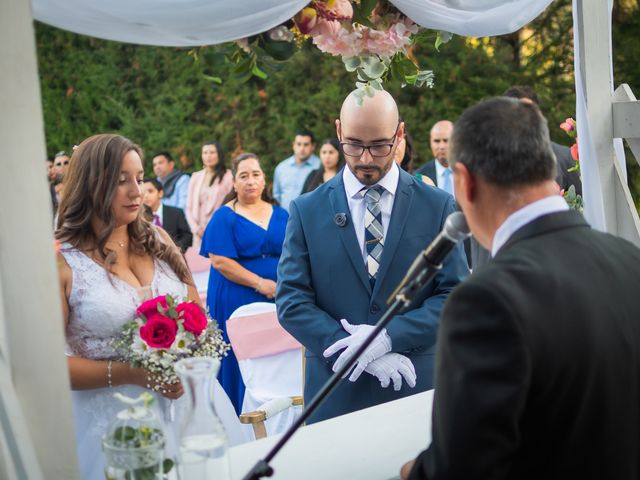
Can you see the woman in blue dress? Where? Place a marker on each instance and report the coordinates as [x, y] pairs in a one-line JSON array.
[[244, 242]]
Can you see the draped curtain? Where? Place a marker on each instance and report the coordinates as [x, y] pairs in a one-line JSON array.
[[205, 22]]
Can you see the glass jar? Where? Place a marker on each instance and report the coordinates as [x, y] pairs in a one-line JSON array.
[[134, 444], [202, 439]]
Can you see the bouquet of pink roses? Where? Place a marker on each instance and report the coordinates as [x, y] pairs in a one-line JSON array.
[[165, 331]]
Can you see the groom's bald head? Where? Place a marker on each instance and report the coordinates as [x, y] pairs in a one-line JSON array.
[[373, 123]]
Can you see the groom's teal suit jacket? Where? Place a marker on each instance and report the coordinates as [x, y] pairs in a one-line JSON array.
[[322, 278]]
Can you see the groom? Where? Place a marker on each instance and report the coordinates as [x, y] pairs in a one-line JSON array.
[[347, 246]]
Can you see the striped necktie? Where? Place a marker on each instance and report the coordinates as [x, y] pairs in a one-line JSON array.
[[373, 233]]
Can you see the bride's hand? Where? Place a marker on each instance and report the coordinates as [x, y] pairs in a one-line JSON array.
[[171, 391]]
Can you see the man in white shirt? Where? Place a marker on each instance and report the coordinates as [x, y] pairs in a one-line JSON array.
[[291, 173], [438, 169]]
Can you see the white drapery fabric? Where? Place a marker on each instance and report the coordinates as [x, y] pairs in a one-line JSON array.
[[182, 23], [592, 191]]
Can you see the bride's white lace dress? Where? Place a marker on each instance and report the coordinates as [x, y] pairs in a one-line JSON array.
[[99, 305]]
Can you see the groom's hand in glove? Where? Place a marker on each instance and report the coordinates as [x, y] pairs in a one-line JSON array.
[[393, 367], [358, 334]]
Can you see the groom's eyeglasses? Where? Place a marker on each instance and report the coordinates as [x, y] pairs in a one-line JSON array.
[[377, 150]]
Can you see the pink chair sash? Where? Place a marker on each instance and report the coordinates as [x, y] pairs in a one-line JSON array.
[[259, 335]]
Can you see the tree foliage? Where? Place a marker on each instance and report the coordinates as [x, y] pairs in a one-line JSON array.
[[170, 98]]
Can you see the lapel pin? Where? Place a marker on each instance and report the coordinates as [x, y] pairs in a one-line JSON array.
[[340, 219]]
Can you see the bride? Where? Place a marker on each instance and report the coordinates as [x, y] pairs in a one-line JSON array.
[[111, 260]]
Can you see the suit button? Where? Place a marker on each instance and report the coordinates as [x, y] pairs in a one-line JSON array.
[[374, 308]]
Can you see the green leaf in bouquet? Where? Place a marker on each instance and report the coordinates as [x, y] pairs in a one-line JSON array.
[[362, 12], [277, 49], [124, 434], [442, 37], [258, 73], [167, 465]]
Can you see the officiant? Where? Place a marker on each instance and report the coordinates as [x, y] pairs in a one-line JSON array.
[[538, 358]]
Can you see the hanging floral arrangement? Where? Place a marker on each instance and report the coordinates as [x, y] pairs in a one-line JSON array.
[[372, 37]]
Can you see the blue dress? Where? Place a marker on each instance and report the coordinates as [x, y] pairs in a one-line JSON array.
[[256, 249]]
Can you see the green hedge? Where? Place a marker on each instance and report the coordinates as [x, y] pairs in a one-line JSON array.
[[162, 99]]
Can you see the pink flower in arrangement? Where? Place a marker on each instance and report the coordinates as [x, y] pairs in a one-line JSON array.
[[332, 37], [159, 331], [569, 125], [574, 151], [340, 10], [195, 321], [150, 307]]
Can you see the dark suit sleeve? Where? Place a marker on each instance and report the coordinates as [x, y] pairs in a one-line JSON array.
[[482, 376], [295, 297], [184, 237], [418, 327]]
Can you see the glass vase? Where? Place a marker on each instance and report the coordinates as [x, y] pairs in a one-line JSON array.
[[202, 439]]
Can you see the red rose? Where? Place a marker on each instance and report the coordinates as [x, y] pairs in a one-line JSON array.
[[159, 331], [195, 321], [150, 307], [574, 151]]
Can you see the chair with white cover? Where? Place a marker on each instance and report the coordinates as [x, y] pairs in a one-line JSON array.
[[199, 267], [270, 361]]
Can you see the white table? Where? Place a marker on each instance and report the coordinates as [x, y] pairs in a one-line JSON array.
[[369, 444]]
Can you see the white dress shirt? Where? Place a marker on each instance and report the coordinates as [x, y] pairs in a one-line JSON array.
[[357, 206], [525, 215], [440, 177]]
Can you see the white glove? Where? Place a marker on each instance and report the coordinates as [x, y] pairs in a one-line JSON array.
[[395, 367], [358, 334]]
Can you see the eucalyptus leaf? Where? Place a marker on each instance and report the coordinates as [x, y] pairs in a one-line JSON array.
[[442, 37], [373, 67], [352, 63]]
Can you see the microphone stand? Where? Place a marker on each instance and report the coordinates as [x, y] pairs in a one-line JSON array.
[[401, 299]]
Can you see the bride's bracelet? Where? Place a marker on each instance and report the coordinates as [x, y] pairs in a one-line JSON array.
[[257, 289], [109, 378]]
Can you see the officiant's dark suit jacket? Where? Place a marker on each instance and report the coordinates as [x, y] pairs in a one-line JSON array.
[[538, 361], [322, 278], [175, 223]]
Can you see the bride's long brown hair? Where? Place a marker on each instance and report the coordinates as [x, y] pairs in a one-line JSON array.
[[88, 191]]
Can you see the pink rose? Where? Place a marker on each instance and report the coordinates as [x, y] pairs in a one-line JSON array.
[[569, 125], [195, 321], [150, 307], [159, 331]]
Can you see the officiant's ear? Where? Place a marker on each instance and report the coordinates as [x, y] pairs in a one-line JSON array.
[[338, 130], [464, 184]]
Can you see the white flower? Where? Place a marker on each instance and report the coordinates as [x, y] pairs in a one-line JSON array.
[[139, 346], [281, 34]]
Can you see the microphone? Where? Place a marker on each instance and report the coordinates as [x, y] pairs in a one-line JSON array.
[[429, 261]]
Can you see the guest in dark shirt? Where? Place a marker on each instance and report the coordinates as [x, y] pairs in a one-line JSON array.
[[332, 161], [171, 219]]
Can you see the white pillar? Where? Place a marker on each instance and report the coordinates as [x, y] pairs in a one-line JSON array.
[[32, 327]]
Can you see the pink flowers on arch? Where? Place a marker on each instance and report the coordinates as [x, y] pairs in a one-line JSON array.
[[569, 126], [334, 38]]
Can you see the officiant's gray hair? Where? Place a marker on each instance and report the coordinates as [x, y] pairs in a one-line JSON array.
[[505, 142]]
